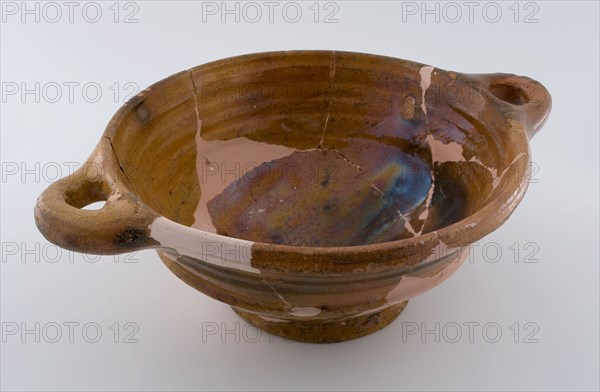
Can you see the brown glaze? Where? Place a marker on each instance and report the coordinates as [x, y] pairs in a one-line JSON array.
[[344, 183]]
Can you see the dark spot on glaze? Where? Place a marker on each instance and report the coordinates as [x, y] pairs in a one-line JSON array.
[[449, 201], [142, 112], [277, 238], [325, 181], [130, 236]]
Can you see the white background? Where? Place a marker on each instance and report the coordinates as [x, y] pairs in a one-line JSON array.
[[557, 295]]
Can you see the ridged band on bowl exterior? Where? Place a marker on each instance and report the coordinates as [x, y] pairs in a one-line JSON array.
[[253, 275]]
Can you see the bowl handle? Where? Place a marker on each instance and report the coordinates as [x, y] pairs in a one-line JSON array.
[[120, 226], [524, 98]]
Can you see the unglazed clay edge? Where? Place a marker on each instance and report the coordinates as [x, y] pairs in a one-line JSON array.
[[178, 239]]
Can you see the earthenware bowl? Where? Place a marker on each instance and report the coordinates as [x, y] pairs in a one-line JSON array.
[[313, 191]]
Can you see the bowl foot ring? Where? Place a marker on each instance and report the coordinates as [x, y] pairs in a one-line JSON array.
[[324, 331]]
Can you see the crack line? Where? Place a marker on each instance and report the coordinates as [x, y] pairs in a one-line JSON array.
[[286, 304], [198, 121], [324, 127], [425, 74], [117, 159], [332, 67]]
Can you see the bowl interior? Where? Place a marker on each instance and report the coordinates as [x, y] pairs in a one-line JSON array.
[[313, 148]]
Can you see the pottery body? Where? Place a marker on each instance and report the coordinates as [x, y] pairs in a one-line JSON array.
[[315, 192]]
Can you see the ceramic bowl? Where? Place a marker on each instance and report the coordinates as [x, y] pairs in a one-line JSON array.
[[315, 192]]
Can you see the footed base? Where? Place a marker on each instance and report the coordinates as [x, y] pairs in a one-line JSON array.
[[325, 331]]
